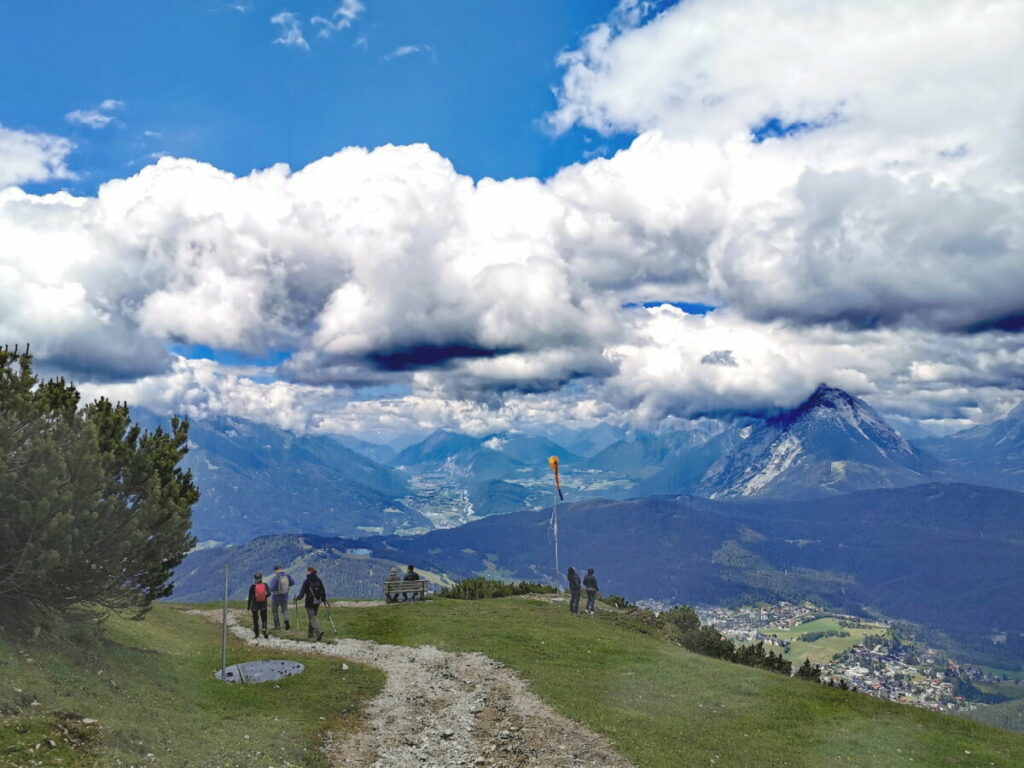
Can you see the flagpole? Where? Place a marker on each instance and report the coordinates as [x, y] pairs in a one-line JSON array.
[[553, 463], [554, 527]]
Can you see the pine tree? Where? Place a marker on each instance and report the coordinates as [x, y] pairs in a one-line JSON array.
[[809, 671], [94, 512]]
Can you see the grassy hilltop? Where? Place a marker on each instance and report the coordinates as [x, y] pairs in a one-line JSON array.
[[149, 686], [659, 704]]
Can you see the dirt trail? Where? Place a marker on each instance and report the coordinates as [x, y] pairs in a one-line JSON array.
[[441, 709]]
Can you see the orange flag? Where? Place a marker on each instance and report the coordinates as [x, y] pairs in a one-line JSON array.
[[553, 463]]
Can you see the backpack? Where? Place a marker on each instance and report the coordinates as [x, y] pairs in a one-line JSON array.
[[284, 583], [260, 593], [316, 589]]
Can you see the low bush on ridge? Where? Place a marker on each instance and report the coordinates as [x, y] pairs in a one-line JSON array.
[[479, 588], [617, 601]]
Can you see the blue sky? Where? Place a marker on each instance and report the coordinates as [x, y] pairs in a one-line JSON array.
[[201, 79], [561, 193]]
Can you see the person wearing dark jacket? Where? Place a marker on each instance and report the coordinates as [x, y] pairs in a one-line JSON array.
[[410, 575], [574, 590], [314, 593], [259, 593], [590, 584]]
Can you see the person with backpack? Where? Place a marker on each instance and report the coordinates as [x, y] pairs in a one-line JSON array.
[[590, 584], [259, 594], [574, 590], [315, 595], [280, 585]]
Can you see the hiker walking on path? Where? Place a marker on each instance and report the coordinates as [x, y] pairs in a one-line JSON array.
[[590, 584], [315, 594], [574, 590], [392, 597], [258, 595], [410, 575], [280, 585]]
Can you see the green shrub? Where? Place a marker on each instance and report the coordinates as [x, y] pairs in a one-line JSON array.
[[479, 588], [683, 625], [809, 671], [617, 601], [810, 637]]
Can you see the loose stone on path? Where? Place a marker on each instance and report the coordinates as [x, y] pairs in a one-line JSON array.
[[451, 709]]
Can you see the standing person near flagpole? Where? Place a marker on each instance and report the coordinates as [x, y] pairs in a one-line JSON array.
[[574, 590], [315, 594], [280, 585], [590, 584]]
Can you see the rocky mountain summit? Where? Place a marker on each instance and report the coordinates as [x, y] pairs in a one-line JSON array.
[[831, 443]]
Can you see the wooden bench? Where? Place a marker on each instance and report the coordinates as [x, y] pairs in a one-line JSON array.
[[405, 587]]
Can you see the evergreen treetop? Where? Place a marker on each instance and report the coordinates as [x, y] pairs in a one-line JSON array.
[[94, 512]]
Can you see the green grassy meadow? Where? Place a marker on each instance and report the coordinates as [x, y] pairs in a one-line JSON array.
[[157, 703], [665, 707], [821, 650], [149, 685]]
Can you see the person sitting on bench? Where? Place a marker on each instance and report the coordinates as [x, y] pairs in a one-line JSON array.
[[410, 575], [391, 597]]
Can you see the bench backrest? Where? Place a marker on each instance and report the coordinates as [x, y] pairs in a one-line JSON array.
[[391, 587]]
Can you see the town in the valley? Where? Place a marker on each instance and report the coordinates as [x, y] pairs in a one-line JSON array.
[[864, 655]]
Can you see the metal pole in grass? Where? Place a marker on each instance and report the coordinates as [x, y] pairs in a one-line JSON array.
[[554, 528], [224, 629], [553, 463]]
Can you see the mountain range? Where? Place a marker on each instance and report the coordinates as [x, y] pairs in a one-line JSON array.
[[822, 502], [492, 457], [945, 555], [256, 479], [991, 453], [259, 480]]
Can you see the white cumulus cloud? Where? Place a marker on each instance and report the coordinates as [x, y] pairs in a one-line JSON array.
[[869, 235], [32, 157]]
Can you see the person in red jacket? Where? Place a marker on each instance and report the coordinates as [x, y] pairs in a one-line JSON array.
[[259, 595]]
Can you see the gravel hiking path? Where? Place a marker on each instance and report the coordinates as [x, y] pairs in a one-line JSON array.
[[441, 709]]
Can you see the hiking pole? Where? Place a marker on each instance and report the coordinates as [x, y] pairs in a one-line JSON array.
[[297, 615], [327, 610]]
